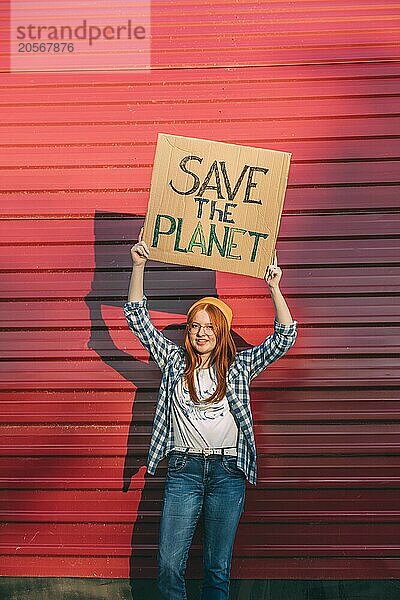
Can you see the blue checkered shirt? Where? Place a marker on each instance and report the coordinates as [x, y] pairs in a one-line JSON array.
[[171, 360]]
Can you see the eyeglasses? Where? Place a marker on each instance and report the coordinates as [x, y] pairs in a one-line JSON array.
[[195, 327]]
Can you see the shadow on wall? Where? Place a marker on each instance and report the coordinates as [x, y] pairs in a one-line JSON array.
[[114, 234]]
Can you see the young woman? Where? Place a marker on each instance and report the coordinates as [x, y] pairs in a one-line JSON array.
[[203, 424]]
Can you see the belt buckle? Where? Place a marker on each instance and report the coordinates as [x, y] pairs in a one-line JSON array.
[[207, 451]]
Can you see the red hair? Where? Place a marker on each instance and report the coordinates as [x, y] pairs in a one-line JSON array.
[[222, 355]]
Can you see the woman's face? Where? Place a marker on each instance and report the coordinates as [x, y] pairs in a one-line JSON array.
[[203, 340]]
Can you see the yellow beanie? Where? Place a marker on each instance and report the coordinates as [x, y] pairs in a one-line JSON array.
[[224, 308]]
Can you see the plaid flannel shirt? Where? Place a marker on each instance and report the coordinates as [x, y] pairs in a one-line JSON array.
[[171, 360]]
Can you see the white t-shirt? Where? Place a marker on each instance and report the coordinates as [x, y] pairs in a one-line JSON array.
[[205, 425]]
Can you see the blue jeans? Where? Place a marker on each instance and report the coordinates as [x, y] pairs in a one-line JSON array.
[[194, 483]]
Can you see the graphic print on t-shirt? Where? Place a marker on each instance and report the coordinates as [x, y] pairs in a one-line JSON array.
[[205, 384], [203, 425]]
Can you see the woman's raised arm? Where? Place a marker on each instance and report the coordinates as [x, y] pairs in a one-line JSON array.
[[159, 347], [140, 254], [273, 277]]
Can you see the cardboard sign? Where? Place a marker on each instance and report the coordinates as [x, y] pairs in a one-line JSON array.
[[215, 205]]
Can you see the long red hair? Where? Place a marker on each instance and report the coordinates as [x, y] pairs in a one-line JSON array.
[[222, 355]]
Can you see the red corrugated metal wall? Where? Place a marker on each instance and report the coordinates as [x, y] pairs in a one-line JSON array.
[[315, 78]]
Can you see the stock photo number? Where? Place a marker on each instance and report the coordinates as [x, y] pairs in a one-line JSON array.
[[46, 47]]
